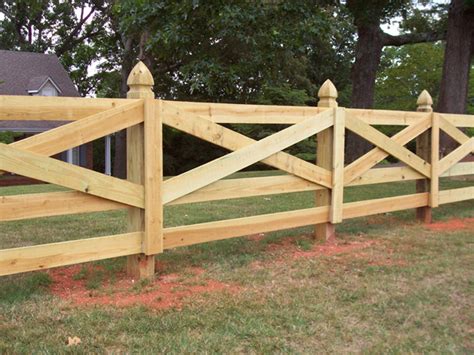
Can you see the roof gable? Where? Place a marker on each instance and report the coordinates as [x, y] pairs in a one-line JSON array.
[[37, 83], [21, 72]]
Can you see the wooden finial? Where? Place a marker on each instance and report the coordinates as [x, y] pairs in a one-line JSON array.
[[140, 82], [327, 95], [424, 102]]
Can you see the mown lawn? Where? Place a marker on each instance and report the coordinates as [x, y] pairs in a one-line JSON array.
[[389, 285]]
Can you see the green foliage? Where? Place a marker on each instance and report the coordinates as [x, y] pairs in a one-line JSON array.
[[231, 51], [76, 31], [405, 72], [408, 70], [8, 137]]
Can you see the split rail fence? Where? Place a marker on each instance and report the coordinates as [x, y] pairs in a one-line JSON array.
[[145, 192]]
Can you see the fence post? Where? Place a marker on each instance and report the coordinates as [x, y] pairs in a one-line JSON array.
[[324, 157], [140, 82], [423, 149]]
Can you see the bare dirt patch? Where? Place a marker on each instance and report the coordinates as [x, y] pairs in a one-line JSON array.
[[454, 224], [167, 291], [330, 248]]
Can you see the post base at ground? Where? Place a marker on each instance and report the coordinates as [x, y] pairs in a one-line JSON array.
[[423, 214], [325, 231], [141, 266]]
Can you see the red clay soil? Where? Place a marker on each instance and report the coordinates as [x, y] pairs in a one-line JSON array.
[[328, 249], [168, 291], [452, 225]]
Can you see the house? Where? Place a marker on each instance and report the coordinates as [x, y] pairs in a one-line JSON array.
[[38, 74]]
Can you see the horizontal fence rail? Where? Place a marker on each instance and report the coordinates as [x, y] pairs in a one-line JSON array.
[[144, 194]]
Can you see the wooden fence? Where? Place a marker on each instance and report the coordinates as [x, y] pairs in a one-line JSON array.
[[145, 193]]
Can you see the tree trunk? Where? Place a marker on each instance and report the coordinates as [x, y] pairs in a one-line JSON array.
[[457, 63], [364, 71]]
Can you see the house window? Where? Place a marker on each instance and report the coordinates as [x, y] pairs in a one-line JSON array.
[[73, 156], [48, 90]]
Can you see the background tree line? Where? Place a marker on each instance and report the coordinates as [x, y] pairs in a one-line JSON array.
[[266, 52]]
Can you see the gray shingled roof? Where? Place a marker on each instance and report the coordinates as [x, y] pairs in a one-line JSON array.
[[21, 71]]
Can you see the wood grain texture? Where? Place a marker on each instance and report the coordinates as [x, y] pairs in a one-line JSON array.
[[40, 257], [434, 181], [50, 108], [56, 172], [376, 155], [84, 130], [450, 129], [206, 174], [387, 117], [388, 145], [456, 195], [153, 179], [49, 204], [337, 193], [244, 113], [210, 231], [456, 155], [201, 127]]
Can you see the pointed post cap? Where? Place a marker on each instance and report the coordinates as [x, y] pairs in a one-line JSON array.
[[327, 95], [140, 82], [424, 102]]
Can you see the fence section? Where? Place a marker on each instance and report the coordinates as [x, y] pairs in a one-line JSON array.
[[145, 193]]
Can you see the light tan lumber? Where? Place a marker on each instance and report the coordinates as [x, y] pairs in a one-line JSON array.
[[327, 95], [434, 182], [337, 193], [248, 114], [456, 155], [454, 132], [388, 145], [140, 82], [423, 150], [52, 204], [272, 114], [456, 195], [384, 205], [248, 187], [83, 131], [210, 231], [40, 257], [153, 242], [387, 117], [53, 108], [458, 120], [463, 168], [48, 204], [206, 232], [376, 155], [56, 172], [200, 127], [386, 174], [206, 174]]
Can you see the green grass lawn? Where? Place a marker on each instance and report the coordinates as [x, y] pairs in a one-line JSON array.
[[393, 285]]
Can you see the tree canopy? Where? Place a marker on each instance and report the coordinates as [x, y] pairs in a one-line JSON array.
[[267, 52]]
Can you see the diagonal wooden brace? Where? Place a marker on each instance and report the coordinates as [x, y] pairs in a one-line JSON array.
[[360, 166], [206, 174], [388, 145], [56, 172], [203, 128], [456, 155]]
